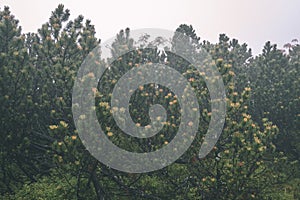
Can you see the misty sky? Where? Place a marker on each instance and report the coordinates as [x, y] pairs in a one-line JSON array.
[[251, 21]]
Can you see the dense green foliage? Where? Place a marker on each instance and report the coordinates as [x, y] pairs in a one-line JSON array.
[[42, 156]]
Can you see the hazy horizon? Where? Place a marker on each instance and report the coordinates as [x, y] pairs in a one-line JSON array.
[[253, 22]]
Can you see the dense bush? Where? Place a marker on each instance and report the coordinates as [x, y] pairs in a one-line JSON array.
[[42, 156]]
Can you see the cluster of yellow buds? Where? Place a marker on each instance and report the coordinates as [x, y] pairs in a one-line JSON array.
[[257, 140], [246, 117], [235, 105], [104, 104], [248, 89]]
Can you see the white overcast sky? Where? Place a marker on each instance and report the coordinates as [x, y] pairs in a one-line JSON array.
[[250, 21]]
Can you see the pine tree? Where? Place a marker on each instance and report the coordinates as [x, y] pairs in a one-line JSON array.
[[17, 107]]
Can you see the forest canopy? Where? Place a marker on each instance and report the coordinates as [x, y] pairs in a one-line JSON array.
[[43, 157]]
